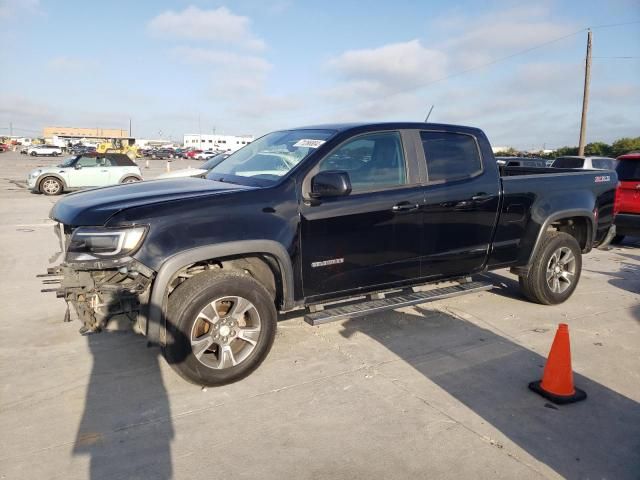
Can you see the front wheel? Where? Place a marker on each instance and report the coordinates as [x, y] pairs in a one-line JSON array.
[[555, 270], [33, 154], [220, 327], [51, 186], [130, 180]]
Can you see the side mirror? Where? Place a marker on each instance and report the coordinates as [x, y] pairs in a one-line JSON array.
[[332, 183], [77, 166]]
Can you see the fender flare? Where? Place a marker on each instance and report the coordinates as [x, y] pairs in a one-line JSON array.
[[156, 315], [591, 232], [126, 175], [51, 174]]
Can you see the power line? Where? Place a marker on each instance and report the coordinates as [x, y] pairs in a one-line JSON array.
[[615, 24], [616, 57]]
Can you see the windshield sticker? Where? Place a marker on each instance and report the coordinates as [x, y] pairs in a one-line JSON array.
[[308, 142]]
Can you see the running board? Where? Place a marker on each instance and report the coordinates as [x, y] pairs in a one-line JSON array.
[[403, 300]]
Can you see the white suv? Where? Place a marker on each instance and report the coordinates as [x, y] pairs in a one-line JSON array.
[[37, 150], [589, 163]]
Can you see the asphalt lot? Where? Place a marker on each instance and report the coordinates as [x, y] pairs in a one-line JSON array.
[[435, 391]]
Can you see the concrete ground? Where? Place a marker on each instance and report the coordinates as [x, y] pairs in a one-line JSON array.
[[435, 391]]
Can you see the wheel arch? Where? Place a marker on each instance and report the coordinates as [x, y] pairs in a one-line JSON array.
[[55, 175], [220, 253], [127, 175], [579, 223]]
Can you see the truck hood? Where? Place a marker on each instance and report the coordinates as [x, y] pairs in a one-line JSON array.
[[185, 172], [95, 207]]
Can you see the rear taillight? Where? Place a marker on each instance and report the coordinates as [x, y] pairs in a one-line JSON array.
[[616, 201]]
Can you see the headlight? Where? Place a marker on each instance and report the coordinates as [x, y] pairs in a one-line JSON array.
[[92, 243], [35, 173]]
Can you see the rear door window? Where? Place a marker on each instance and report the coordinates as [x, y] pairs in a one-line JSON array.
[[603, 163], [568, 162], [450, 156], [628, 170]]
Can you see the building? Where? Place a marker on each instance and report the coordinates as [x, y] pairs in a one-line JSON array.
[[76, 132], [65, 136], [229, 143]]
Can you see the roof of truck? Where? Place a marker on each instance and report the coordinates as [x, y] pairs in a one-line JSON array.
[[341, 127]]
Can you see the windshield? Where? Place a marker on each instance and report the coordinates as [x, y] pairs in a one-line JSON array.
[[628, 170], [568, 162], [213, 161], [270, 157], [68, 162]]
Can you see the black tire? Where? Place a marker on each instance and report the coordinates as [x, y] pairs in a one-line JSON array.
[[48, 186], [618, 239], [193, 297], [55, 154], [130, 180], [535, 285], [33, 154]]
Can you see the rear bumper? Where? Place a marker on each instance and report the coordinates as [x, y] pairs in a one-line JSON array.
[[628, 224]]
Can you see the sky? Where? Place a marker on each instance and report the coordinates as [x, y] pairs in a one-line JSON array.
[[514, 69]]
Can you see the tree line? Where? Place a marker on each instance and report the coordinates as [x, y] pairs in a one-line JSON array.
[[596, 149]]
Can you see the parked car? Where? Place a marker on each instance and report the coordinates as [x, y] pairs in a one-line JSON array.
[[81, 149], [312, 216], [84, 171], [162, 153], [200, 171], [589, 163], [206, 154], [521, 162], [193, 153], [4, 147], [627, 205], [46, 150]]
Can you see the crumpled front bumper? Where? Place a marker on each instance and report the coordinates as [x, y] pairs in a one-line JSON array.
[[103, 298]]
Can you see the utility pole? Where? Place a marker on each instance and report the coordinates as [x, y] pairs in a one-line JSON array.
[[129, 127], [585, 96]]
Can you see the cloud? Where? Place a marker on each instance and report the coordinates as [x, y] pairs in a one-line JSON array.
[[498, 33], [63, 63], [393, 66], [250, 64], [219, 25], [14, 8]]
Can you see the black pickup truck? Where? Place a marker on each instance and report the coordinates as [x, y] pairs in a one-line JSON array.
[[305, 217]]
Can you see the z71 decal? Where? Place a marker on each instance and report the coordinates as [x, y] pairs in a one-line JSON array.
[[602, 178]]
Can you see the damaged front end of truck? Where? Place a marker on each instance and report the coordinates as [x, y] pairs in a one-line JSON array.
[[99, 280]]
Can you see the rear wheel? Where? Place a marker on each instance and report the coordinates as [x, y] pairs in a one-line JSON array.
[[33, 154], [130, 180], [51, 186], [220, 327], [555, 270]]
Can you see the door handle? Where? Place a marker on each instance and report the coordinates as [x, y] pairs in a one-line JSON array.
[[480, 197], [405, 207], [104, 171]]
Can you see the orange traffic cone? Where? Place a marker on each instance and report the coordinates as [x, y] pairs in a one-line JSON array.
[[557, 380]]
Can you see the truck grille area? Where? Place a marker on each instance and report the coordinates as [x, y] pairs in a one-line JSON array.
[[104, 298]]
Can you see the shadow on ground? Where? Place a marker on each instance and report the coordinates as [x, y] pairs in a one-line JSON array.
[[126, 426], [489, 374]]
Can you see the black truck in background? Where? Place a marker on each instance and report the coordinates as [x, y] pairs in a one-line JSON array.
[[304, 217]]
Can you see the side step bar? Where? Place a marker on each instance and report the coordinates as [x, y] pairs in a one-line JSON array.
[[402, 300]]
